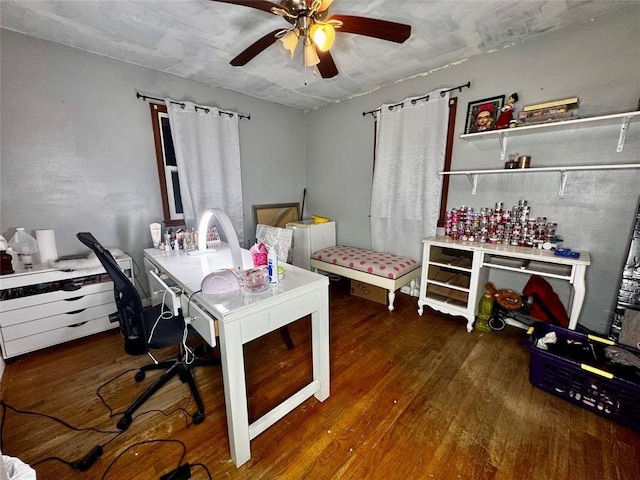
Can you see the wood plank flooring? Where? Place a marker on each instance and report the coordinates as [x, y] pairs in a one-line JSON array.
[[411, 398]]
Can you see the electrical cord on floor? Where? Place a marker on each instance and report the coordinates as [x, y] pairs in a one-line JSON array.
[[82, 464], [173, 475], [182, 472], [87, 461], [204, 467]]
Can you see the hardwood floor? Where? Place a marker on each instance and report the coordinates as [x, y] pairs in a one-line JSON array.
[[411, 398]]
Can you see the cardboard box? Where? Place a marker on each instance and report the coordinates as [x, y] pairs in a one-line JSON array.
[[370, 292]]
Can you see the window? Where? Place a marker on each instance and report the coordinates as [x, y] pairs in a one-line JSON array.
[[167, 167]]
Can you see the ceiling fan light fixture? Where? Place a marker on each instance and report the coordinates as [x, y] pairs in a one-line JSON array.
[[310, 55], [321, 5], [288, 42], [323, 35]]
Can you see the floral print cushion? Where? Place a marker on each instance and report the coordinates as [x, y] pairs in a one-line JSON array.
[[375, 263]]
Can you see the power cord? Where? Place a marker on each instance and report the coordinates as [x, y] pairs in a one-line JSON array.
[[85, 462], [181, 472]]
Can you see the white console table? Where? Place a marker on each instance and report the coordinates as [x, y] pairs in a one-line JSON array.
[[454, 273], [42, 306]]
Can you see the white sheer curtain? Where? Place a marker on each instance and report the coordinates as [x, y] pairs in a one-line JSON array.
[[410, 151], [207, 146]]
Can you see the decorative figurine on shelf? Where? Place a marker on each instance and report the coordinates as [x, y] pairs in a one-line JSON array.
[[506, 112]]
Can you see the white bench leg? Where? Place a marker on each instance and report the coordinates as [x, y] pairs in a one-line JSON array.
[[392, 297]]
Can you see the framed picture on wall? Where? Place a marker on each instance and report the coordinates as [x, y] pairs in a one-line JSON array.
[[482, 114]]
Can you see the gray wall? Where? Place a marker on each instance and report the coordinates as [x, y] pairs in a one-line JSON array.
[[77, 145], [598, 61]]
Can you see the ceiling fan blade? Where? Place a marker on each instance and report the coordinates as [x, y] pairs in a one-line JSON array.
[[263, 5], [371, 27], [254, 49], [327, 66]]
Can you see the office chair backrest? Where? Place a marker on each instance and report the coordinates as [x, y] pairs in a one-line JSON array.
[[128, 302], [279, 238]]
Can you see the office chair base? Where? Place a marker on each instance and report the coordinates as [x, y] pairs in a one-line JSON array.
[[124, 422], [198, 418], [176, 367]]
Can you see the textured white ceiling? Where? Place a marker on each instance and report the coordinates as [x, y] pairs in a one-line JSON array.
[[196, 39]]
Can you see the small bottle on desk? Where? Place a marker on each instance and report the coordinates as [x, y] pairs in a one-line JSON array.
[[272, 263]]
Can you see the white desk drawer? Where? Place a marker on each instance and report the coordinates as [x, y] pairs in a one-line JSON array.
[[202, 323], [261, 323]]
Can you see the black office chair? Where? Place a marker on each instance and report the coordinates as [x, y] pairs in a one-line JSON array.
[[145, 329]]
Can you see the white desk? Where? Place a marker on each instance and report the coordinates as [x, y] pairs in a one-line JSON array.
[[241, 317]]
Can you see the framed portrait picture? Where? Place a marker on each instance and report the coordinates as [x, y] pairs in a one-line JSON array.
[[482, 114]]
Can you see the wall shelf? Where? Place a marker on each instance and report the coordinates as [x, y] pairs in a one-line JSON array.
[[623, 119], [564, 172]]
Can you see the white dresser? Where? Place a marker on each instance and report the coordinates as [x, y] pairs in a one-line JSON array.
[[40, 306]]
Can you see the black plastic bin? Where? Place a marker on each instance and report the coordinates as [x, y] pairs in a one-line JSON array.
[[576, 369]]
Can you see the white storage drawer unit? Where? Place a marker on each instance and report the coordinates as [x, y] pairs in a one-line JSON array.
[[309, 238], [40, 307]]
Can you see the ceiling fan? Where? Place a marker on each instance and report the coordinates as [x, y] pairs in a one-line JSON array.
[[310, 20]]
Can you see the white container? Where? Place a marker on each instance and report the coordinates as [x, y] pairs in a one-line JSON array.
[[46, 240], [25, 246]]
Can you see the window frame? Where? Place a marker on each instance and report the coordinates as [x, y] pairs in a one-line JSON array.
[[172, 218]]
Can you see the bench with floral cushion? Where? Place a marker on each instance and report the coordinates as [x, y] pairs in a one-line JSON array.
[[384, 270]]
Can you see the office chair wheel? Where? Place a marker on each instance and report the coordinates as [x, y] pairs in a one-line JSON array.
[[496, 323], [198, 418], [139, 376], [124, 422]]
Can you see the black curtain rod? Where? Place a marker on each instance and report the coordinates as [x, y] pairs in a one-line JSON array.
[[205, 109], [415, 100]]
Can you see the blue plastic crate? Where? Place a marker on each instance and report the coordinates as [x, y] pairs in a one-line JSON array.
[[573, 370]]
